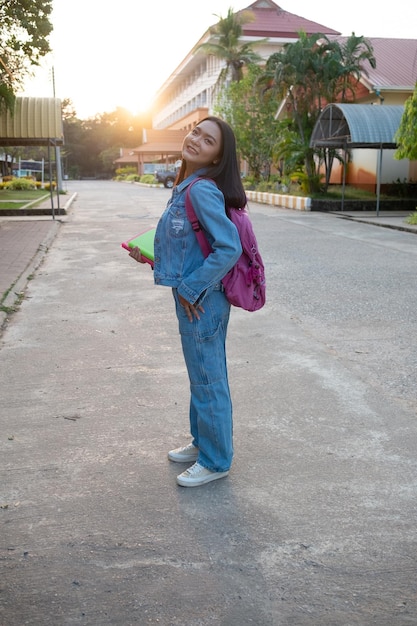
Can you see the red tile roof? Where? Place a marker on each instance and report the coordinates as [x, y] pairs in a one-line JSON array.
[[161, 141], [153, 135], [272, 21], [158, 148], [396, 63]]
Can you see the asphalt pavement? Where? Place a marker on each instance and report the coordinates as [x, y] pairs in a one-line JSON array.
[[25, 240], [315, 525]]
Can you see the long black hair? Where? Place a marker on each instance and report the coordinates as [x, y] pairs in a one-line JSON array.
[[226, 173]]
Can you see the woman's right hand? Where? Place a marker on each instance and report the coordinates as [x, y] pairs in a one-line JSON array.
[[135, 253]]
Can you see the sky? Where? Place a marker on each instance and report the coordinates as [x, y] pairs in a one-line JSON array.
[[114, 54]]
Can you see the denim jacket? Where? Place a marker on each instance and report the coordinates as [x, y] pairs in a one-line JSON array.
[[179, 261]]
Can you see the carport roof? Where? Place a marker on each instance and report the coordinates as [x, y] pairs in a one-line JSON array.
[[357, 126], [34, 122]]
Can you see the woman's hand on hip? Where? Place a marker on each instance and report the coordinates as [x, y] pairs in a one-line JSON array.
[[190, 310]]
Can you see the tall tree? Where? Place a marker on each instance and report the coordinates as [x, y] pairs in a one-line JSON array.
[[407, 132], [350, 58], [229, 48], [252, 118], [75, 146], [92, 145], [295, 76], [24, 31], [309, 73]]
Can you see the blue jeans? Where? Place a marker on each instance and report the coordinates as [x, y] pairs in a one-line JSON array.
[[204, 347]]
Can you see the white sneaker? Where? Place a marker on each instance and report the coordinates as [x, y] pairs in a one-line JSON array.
[[186, 454], [197, 475]]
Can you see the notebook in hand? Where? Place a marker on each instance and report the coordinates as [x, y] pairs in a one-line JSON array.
[[144, 241]]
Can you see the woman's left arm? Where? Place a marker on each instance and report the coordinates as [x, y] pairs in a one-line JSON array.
[[208, 203]]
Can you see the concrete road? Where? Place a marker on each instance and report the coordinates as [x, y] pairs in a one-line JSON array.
[[316, 524]]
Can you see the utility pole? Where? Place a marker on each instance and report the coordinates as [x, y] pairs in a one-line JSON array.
[[57, 149]]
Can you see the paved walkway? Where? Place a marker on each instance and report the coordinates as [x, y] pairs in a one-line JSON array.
[[386, 219], [20, 241], [315, 526], [25, 240], [23, 244]]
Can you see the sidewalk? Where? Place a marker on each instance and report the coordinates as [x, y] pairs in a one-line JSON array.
[[386, 219], [23, 243]]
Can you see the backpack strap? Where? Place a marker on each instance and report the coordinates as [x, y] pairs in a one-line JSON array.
[[192, 217]]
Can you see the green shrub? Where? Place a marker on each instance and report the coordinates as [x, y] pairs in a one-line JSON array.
[[148, 179], [20, 184], [263, 186], [401, 189], [123, 172], [132, 178], [249, 183], [412, 218]]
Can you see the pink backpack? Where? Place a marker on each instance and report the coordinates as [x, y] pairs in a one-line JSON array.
[[244, 284]]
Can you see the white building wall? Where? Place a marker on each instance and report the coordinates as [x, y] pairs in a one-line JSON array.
[[192, 92], [192, 85], [391, 170]]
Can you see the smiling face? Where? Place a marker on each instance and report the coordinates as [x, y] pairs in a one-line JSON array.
[[202, 146]]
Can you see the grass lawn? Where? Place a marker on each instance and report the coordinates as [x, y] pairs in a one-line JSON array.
[[18, 199]]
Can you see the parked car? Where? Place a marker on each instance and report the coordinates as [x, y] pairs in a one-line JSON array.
[[167, 177]]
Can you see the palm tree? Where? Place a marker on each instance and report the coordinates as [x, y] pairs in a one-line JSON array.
[[354, 52], [236, 55], [310, 73]]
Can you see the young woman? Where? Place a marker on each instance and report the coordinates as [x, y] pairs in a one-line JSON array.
[[209, 151]]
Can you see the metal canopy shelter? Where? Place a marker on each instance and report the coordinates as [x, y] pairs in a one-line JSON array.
[[34, 122], [348, 126]]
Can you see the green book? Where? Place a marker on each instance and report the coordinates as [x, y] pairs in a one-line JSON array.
[[145, 242]]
